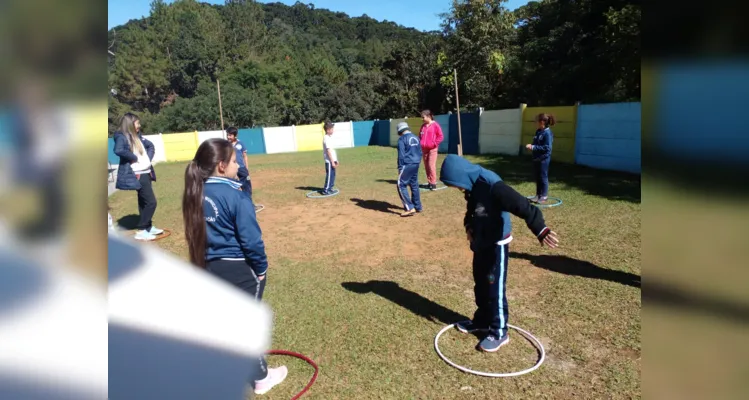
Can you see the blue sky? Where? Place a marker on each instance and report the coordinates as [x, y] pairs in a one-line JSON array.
[[419, 14]]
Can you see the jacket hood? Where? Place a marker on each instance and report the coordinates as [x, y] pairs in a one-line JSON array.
[[459, 172]]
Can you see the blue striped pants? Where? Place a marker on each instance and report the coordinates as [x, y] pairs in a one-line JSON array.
[[490, 278]]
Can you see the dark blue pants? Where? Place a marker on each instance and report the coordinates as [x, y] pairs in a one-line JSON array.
[[329, 176], [490, 278], [241, 275], [146, 202], [247, 187], [244, 178], [408, 176], [541, 172]]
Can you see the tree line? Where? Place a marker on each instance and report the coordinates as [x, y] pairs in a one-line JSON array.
[[283, 65]]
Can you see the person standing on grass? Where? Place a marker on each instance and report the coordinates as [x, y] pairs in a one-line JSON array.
[[244, 173], [222, 232], [490, 202], [409, 159], [431, 137], [541, 149], [136, 172], [331, 159]]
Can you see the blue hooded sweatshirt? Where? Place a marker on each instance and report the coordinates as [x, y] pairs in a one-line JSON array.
[[232, 231], [489, 203], [542, 144], [409, 149]]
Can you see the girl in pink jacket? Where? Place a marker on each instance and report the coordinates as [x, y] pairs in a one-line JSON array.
[[431, 137]]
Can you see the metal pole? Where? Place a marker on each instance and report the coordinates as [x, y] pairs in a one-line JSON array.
[[457, 102], [220, 109]]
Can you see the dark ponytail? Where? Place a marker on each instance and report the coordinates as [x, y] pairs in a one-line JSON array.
[[547, 119], [210, 153]]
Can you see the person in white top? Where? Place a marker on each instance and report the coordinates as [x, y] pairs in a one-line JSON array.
[[136, 172], [331, 159]]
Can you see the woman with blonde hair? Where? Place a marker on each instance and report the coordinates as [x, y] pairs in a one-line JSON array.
[[136, 172]]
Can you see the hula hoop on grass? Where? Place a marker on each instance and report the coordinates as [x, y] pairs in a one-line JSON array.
[[259, 207], [167, 233], [316, 194], [557, 202], [531, 338], [303, 357]]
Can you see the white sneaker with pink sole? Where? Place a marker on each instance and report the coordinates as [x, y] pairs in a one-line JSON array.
[[275, 376]]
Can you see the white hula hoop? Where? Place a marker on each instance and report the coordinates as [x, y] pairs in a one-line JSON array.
[[260, 207], [431, 190], [316, 194], [525, 333]]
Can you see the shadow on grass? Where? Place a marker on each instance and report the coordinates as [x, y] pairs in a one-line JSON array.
[[612, 185], [390, 181], [407, 299], [129, 222], [308, 188], [666, 295], [377, 205], [571, 266]]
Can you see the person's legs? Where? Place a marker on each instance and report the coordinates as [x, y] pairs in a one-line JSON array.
[[332, 177], [402, 185], [247, 187], [148, 199], [328, 168], [537, 178], [432, 168], [483, 261], [497, 280], [497, 302], [544, 179], [425, 155], [414, 183], [241, 275]]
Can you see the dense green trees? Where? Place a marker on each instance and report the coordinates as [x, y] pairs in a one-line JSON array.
[[282, 65]]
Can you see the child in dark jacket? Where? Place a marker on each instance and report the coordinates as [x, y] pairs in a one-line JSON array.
[[222, 232], [541, 149], [488, 227], [409, 159]]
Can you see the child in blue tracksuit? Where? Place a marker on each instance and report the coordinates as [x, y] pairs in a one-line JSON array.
[[541, 149], [243, 174], [409, 159], [222, 232], [488, 227]]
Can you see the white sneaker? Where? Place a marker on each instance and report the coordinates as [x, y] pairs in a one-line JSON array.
[[144, 236], [155, 231], [275, 376]]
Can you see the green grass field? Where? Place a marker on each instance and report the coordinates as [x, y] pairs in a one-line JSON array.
[[363, 291]]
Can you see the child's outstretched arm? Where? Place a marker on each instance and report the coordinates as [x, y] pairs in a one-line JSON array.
[[516, 204], [250, 237]]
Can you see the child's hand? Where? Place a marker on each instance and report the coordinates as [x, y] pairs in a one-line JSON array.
[[335, 164], [550, 240], [529, 146]]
